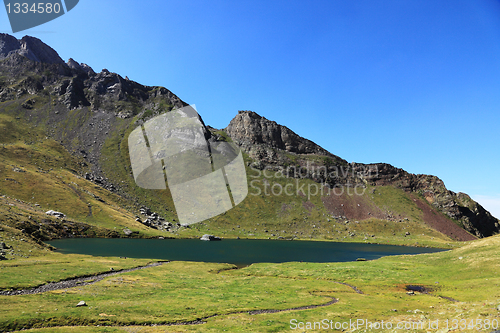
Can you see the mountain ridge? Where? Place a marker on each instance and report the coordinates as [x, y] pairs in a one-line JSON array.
[[90, 114]]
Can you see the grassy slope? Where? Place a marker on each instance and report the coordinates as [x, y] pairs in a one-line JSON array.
[[265, 215], [38, 174]]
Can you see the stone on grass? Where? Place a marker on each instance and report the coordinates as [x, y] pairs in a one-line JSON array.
[[54, 213], [81, 303]]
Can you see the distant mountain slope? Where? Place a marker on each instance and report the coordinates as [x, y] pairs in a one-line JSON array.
[[270, 145], [87, 116]]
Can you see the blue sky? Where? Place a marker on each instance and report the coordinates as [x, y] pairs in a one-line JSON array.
[[412, 83]]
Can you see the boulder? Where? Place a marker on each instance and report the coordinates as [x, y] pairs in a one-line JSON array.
[[207, 237], [127, 232], [54, 213], [81, 303]]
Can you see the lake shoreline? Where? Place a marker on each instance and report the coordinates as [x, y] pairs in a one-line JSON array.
[[238, 252], [445, 246]]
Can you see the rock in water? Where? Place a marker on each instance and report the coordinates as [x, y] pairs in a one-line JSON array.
[[81, 303], [207, 237]]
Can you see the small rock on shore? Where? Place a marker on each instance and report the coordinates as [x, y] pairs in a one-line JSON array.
[[207, 237]]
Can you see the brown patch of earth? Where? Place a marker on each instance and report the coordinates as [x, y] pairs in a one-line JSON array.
[[347, 203], [440, 223]]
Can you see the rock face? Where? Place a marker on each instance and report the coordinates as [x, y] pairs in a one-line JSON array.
[[8, 45], [30, 47], [457, 206], [73, 64], [268, 143], [248, 128]]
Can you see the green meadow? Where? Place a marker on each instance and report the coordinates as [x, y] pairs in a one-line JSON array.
[[460, 284]]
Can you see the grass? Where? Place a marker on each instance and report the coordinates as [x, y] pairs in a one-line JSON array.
[[53, 267], [185, 291]]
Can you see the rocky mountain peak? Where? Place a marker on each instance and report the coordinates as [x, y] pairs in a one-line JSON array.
[[249, 128], [73, 64], [76, 65], [8, 45], [30, 47]]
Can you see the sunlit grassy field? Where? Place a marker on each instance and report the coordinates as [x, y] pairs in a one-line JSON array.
[[462, 284]]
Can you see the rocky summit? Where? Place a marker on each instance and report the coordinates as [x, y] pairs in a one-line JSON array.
[[29, 47], [64, 130], [248, 128]]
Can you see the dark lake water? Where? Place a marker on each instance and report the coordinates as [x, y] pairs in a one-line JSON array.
[[235, 251]]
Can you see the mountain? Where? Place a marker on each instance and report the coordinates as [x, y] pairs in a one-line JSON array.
[[30, 47], [270, 145], [63, 137]]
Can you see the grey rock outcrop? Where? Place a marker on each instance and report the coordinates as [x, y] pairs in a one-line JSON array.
[[207, 237], [73, 64], [30, 47], [87, 68], [56, 214], [36, 50], [8, 45], [79, 67], [249, 128]]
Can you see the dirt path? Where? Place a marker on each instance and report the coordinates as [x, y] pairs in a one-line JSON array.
[[86, 280], [351, 286], [75, 282], [252, 312]]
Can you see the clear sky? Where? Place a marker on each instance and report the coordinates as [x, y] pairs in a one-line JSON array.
[[412, 83]]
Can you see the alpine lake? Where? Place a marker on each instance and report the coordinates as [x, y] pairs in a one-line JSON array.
[[240, 252]]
